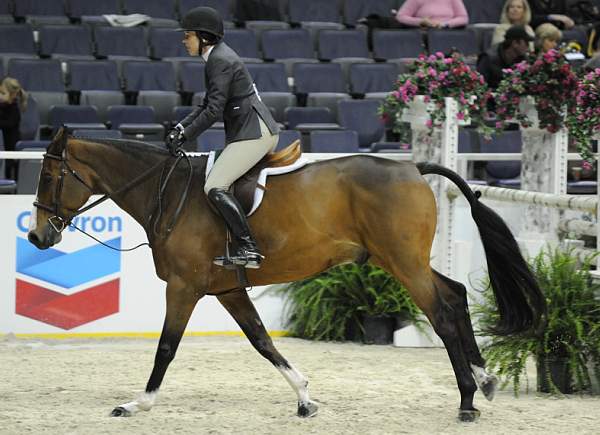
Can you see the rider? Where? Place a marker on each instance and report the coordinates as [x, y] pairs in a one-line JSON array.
[[250, 130]]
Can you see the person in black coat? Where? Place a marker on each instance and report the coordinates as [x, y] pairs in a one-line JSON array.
[[13, 100], [250, 130]]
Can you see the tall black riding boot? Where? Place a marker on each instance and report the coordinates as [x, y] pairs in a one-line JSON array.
[[247, 254]]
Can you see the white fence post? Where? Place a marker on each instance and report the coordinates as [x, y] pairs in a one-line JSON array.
[[440, 147], [543, 169]]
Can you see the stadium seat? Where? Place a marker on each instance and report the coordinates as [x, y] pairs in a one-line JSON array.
[[120, 41], [243, 42], [29, 170], [503, 173], [180, 112], [372, 78], [269, 77], [484, 12], [322, 82], [444, 41], [305, 119], [25, 8], [259, 26], [313, 10], [285, 44], [361, 116], [16, 41], [211, 139], [166, 42], [338, 141], [335, 44], [136, 122], [164, 10], [277, 102], [353, 10], [97, 134], [7, 187], [75, 117], [30, 121], [66, 41], [219, 5], [287, 137], [315, 27], [37, 74], [81, 8], [397, 44]]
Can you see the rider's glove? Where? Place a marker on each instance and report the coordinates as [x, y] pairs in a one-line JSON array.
[[175, 139]]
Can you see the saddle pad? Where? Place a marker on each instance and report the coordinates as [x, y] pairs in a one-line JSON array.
[[262, 178]]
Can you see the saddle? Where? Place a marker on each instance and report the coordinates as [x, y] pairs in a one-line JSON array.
[[244, 187]]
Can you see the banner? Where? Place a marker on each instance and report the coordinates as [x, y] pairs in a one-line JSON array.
[[82, 287]]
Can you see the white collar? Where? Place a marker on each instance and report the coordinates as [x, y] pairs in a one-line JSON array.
[[205, 55]]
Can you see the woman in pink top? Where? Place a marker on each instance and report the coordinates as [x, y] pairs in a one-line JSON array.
[[433, 13]]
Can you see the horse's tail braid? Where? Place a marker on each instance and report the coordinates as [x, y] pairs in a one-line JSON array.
[[521, 304]]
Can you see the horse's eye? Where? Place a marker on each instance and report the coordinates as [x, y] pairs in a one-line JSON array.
[[47, 177]]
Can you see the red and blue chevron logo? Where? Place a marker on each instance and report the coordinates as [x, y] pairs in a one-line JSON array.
[[67, 290]]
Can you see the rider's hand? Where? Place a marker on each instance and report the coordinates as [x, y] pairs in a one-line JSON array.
[[175, 139]]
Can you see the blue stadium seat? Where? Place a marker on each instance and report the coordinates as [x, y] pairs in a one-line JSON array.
[[166, 42], [484, 12], [396, 44], [60, 40], [32, 144], [153, 8], [503, 173], [337, 141], [220, 5], [356, 9], [25, 8], [80, 8], [6, 7], [97, 134], [180, 112], [335, 44], [146, 76], [314, 10], [120, 41], [361, 116], [308, 115], [318, 77], [29, 170], [7, 187], [99, 75], [287, 44], [211, 139], [118, 115], [30, 120], [17, 38], [191, 76], [75, 117], [269, 77], [465, 41], [37, 75], [243, 42], [287, 137], [367, 78]]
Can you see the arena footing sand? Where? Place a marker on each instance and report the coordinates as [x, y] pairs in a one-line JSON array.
[[222, 385]]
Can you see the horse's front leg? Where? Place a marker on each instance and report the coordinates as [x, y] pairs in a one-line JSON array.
[[180, 305], [241, 308]]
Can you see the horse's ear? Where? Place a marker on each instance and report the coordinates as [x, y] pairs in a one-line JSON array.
[[60, 138]]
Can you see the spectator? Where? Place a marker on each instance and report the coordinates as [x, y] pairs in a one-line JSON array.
[[433, 13], [511, 51], [547, 37], [514, 13], [551, 11], [13, 101]]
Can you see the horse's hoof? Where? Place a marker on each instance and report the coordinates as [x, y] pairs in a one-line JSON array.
[[468, 415], [119, 411], [308, 409], [488, 388]]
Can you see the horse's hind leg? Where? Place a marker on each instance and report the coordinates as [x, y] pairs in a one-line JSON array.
[[180, 305], [239, 305], [486, 382]]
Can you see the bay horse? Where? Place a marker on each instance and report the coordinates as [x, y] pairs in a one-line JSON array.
[[341, 210]]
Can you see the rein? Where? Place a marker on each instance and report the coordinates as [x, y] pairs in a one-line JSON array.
[[59, 222]]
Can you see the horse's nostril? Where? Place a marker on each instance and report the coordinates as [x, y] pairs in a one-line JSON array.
[[33, 238]]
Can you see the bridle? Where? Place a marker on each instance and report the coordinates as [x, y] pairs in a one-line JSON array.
[[59, 221]]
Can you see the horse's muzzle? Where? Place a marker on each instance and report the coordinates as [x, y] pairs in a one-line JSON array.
[[49, 238]]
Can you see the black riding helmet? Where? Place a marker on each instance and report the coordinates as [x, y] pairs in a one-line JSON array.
[[204, 21]]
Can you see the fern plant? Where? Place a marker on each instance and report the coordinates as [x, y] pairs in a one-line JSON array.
[[327, 306], [572, 325]]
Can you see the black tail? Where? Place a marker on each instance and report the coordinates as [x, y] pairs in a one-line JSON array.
[[521, 304]]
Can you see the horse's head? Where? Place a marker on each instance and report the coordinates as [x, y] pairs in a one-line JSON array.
[[61, 192]]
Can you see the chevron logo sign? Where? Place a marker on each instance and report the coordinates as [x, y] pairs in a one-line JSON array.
[[67, 290]]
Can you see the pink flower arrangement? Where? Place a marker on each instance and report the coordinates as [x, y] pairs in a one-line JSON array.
[[583, 120], [549, 80], [437, 77]]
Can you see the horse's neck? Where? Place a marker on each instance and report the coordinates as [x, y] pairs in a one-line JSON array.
[[115, 167]]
